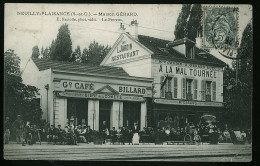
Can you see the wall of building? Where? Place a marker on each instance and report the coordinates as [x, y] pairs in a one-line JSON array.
[[139, 68], [32, 76], [163, 68]]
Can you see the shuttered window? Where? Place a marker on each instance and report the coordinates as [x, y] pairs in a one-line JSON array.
[[175, 91], [195, 88], [203, 90], [163, 89], [214, 87], [184, 88]]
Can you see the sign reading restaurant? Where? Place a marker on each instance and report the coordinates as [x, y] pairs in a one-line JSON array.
[[124, 51]]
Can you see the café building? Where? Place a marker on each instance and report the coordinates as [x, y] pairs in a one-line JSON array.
[[81, 94], [187, 80]]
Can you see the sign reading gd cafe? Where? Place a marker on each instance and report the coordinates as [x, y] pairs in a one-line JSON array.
[[92, 87]]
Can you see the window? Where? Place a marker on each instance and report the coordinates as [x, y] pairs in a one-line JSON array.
[[189, 89], [189, 51], [203, 89], [195, 88], [214, 88], [163, 89], [183, 88], [170, 88]]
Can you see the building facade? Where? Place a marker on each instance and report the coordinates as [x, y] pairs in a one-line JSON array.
[[187, 80], [81, 94]]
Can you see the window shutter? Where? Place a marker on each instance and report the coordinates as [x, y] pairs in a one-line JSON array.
[[183, 88], [163, 89], [203, 89], [214, 88], [169, 85], [195, 88], [175, 87]]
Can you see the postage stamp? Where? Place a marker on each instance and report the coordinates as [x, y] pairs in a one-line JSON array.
[[220, 29]]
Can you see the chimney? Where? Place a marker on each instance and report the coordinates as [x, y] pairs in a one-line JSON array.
[[122, 28], [134, 29], [198, 40]]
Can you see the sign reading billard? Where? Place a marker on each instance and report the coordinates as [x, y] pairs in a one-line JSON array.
[[100, 96], [186, 102]]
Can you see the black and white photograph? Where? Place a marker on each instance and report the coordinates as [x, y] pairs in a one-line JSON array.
[[128, 82]]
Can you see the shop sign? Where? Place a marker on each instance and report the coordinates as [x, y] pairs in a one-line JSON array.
[[124, 51], [187, 102], [105, 96], [77, 85], [186, 71]]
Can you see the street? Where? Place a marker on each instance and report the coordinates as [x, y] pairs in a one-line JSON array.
[[224, 152]]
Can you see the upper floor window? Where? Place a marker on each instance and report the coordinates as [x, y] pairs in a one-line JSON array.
[[208, 90], [170, 88], [189, 88], [190, 51]]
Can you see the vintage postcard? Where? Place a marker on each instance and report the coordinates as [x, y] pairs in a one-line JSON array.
[[142, 82]]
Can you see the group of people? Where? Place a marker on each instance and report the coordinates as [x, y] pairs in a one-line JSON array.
[[28, 134]]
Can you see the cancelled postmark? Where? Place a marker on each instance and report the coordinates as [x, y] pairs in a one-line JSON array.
[[220, 29]]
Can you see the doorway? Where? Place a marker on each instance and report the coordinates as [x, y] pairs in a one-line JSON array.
[[104, 112], [131, 113], [77, 111]]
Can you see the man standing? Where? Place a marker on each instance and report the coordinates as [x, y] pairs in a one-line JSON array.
[[7, 127], [105, 131], [136, 134], [19, 126]]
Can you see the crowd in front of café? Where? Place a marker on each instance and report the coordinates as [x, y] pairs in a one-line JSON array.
[[145, 90]]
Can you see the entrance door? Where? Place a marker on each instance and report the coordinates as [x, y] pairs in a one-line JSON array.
[[77, 111], [104, 112], [131, 113]]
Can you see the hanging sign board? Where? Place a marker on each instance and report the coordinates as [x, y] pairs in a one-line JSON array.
[[101, 96], [186, 102]]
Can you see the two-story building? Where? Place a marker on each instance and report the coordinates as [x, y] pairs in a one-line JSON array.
[[187, 80]]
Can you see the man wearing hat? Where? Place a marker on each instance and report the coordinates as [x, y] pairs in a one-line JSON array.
[[19, 127], [60, 133], [7, 127]]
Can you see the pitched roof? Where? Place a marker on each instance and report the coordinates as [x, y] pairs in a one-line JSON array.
[[43, 64], [161, 51]]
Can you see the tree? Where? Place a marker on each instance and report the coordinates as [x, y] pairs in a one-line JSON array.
[[35, 52], [45, 53], [18, 97], [95, 53], [76, 55], [189, 19], [61, 48], [238, 94]]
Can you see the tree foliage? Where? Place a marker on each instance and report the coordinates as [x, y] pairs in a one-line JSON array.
[[193, 24], [35, 52], [238, 94], [18, 97], [95, 53], [61, 48]]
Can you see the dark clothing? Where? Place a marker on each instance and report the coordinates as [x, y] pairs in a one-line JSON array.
[[7, 125], [135, 129], [113, 135]]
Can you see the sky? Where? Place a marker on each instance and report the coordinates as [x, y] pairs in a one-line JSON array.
[[23, 31]]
